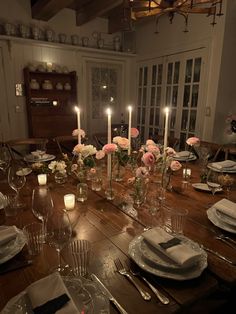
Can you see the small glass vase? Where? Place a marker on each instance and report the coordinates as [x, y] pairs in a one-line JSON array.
[[118, 172], [140, 191], [109, 192], [60, 177]]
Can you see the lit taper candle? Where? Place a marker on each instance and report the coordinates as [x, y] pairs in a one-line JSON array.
[[129, 131], [166, 128], [109, 141], [78, 123]]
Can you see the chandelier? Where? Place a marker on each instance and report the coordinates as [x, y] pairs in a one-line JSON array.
[[158, 8]]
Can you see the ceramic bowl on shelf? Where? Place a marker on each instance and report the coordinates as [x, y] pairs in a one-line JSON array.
[[34, 84], [59, 86], [41, 68], [47, 85], [67, 86]]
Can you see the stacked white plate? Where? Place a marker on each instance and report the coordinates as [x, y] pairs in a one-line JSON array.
[[184, 156], [223, 215], [228, 166], [34, 158], [155, 261]]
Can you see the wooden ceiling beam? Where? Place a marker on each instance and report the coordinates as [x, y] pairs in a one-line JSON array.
[[46, 9], [94, 9], [120, 20]]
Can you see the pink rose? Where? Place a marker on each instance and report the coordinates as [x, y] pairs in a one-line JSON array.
[[74, 167], [109, 148], [170, 151], [175, 165], [150, 142], [78, 148], [116, 139], [193, 141], [131, 180], [123, 142], [148, 159], [141, 172], [153, 149], [134, 132], [76, 133], [100, 154], [93, 170]]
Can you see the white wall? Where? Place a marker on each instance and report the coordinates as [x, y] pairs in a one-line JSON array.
[[171, 39]]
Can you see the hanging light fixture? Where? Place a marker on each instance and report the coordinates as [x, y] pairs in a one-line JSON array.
[[158, 8]]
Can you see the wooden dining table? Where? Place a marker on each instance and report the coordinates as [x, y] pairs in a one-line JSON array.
[[110, 228]]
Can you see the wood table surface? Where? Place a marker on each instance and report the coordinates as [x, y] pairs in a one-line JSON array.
[[110, 229]]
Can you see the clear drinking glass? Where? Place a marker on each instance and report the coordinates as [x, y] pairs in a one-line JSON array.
[[42, 204], [213, 182], [58, 231], [16, 180], [5, 158]]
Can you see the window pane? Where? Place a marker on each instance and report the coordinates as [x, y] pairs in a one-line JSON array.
[[192, 121], [157, 117], [169, 73], [160, 69], [174, 96], [139, 114], [154, 74], [139, 96], [95, 75], [186, 95], [188, 73], [143, 116], [144, 96], [142, 133], [172, 119], [151, 117], [152, 101], [194, 96], [140, 76], [176, 72], [158, 96], [184, 122], [145, 76], [182, 141], [197, 70], [168, 93]]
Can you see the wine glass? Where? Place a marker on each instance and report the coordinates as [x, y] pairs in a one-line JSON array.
[[213, 182], [16, 180], [4, 158], [58, 232], [42, 204], [226, 181]]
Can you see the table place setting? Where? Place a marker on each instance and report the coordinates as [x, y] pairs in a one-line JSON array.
[[223, 215], [204, 187], [184, 156], [228, 166], [39, 156], [168, 255]]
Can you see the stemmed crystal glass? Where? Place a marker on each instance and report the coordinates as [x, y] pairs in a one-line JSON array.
[[213, 182], [42, 204], [16, 180], [58, 231], [226, 181], [5, 158]]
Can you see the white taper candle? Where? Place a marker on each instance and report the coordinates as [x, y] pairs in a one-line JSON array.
[[129, 130], [78, 124], [166, 128]]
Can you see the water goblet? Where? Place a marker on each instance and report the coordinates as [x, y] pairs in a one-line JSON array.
[[58, 232], [226, 181], [213, 182], [16, 180]]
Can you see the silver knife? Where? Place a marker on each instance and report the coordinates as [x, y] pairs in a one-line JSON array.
[[219, 255], [108, 294]]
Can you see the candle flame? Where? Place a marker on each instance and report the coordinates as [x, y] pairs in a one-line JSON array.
[[108, 111], [130, 108], [77, 109], [167, 109]]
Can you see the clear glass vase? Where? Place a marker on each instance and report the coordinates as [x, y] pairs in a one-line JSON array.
[[118, 172], [60, 177], [140, 191]]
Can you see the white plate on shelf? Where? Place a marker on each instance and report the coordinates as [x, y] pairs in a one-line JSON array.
[[13, 247], [24, 171], [32, 158], [166, 272], [204, 187], [225, 170], [85, 294], [214, 218]]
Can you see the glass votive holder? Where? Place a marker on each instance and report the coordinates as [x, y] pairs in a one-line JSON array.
[[186, 174], [69, 201], [82, 192], [42, 179]]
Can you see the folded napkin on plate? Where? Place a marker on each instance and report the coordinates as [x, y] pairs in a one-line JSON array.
[[183, 154], [7, 234], [224, 164], [47, 289], [226, 207], [180, 253]]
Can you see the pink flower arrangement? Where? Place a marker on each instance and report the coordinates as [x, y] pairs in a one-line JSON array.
[[76, 132], [123, 143], [100, 154], [78, 148], [141, 172], [150, 142], [175, 165], [109, 148], [193, 141], [170, 151], [148, 159], [153, 149], [134, 132]]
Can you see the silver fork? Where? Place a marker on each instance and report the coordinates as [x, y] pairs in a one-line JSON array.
[[227, 240], [121, 269], [157, 293]]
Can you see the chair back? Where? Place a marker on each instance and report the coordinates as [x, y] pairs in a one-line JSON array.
[[66, 143], [100, 139]]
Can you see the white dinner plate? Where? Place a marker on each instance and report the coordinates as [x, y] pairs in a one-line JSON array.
[[190, 158], [204, 187], [213, 217], [13, 247], [226, 170], [85, 294], [225, 218], [24, 171], [46, 157], [153, 268]]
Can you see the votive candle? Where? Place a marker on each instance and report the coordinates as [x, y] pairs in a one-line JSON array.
[[42, 179], [69, 201]]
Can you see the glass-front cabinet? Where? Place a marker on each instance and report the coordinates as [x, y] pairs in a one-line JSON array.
[[177, 82]]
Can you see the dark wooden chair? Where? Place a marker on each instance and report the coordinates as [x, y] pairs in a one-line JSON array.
[[18, 148], [100, 139], [66, 143]]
